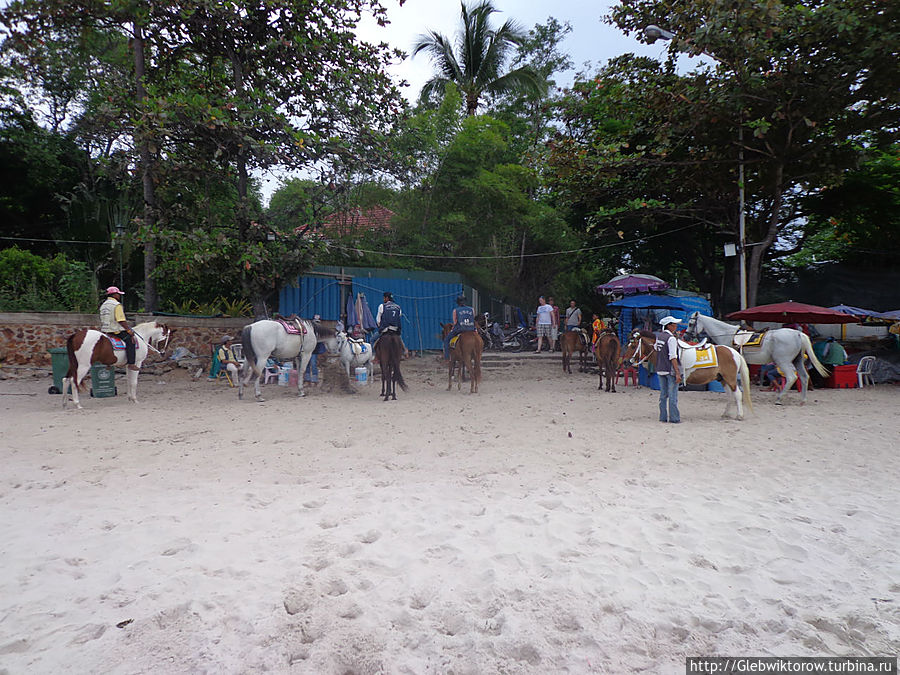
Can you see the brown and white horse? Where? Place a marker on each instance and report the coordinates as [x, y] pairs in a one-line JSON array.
[[88, 346], [700, 365]]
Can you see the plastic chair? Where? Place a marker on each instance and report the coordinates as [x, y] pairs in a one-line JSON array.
[[864, 370], [624, 372], [270, 373]]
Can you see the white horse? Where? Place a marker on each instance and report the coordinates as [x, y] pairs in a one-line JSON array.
[[783, 346], [89, 346], [266, 338], [351, 358]]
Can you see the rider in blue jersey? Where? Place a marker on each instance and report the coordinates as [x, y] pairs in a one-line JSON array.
[[463, 321]]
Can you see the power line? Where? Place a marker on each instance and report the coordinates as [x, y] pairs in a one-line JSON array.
[[58, 241], [515, 255]]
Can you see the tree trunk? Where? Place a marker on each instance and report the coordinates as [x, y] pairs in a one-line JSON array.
[[242, 217], [757, 253], [142, 139]]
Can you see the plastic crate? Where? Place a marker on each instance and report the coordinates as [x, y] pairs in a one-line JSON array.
[[842, 377]]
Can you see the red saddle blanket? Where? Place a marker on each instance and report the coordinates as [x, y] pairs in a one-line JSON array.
[[293, 327], [117, 343]]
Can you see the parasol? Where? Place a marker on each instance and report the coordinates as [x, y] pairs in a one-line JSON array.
[[855, 311], [793, 312], [630, 284]]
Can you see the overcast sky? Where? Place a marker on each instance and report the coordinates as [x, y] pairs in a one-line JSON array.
[[591, 40]]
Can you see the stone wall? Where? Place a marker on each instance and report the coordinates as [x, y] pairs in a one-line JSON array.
[[25, 337]]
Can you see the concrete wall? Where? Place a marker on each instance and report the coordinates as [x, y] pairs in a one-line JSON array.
[[25, 337]]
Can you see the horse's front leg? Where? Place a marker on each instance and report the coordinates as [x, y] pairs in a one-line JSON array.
[[131, 378]]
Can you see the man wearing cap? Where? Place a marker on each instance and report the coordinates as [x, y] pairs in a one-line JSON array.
[[668, 370], [463, 321], [227, 359], [112, 322]]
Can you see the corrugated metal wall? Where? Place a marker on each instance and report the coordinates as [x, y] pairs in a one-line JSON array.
[[425, 305], [314, 295], [426, 300]]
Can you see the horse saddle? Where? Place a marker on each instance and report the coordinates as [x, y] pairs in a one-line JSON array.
[[293, 327], [705, 357], [358, 346], [117, 342], [746, 338], [454, 340]]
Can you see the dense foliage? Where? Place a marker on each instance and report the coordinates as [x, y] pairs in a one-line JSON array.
[[131, 132]]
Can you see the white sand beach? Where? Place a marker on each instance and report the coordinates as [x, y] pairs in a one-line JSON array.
[[540, 526]]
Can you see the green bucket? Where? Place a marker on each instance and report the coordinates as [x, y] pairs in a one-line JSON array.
[[59, 359], [103, 381]]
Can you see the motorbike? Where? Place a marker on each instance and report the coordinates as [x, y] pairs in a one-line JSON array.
[[500, 339]]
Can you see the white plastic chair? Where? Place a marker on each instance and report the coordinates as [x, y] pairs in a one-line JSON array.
[[864, 370]]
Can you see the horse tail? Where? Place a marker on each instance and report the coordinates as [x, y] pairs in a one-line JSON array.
[[745, 382], [72, 373], [807, 347], [249, 352]]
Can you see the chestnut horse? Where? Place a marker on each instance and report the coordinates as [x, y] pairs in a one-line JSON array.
[[700, 365], [467, 351], [570, 342], [89, 346], [606, 351], [388, 349]]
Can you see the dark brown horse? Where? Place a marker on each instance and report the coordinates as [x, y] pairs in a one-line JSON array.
[[606, 351], [388, 349], [571, 342], [467, 352]]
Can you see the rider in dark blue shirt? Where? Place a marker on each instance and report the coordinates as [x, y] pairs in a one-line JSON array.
[[388, 318], [463, 321]]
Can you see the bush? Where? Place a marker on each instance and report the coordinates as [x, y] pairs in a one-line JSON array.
[[29, 282]]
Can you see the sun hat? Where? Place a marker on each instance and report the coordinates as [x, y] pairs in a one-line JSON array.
[[114, 289], [667, 320]]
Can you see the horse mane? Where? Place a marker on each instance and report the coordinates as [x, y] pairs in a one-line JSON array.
[[323, 333]]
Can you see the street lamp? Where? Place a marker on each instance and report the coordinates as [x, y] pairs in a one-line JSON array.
[[653, 33]]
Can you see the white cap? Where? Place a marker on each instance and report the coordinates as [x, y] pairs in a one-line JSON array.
[[667, 320]]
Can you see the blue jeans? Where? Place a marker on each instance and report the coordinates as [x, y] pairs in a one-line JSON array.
[[312, 369], [668, 397]]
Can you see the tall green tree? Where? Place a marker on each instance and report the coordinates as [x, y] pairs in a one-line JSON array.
[[806, 81], [476, 65]]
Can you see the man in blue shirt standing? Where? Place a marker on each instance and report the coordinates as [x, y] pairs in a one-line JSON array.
[[463, 321]]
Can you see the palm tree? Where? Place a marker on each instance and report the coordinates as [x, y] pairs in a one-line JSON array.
[[476, 65]]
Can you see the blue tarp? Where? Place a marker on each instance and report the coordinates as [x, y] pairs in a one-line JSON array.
[[640, 309]]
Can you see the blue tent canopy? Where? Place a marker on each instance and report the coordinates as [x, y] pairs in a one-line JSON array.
[[649, 302]]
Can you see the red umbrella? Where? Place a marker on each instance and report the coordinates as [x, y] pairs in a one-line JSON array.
[[793, 312]]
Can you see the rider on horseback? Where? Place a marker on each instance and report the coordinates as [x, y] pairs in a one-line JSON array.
[[112, 322], [463, 321], [388, 319]]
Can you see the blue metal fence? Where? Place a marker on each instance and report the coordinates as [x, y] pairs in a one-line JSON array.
[[425, 305], [313, 295]]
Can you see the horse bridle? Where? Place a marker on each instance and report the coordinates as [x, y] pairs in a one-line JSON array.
[[639, 349]]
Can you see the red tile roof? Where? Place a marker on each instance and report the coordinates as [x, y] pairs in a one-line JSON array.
[[353, 220]]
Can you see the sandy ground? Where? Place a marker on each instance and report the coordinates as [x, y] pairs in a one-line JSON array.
[[540, 526]]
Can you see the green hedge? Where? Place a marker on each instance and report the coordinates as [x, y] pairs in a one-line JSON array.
[[31, 283]]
